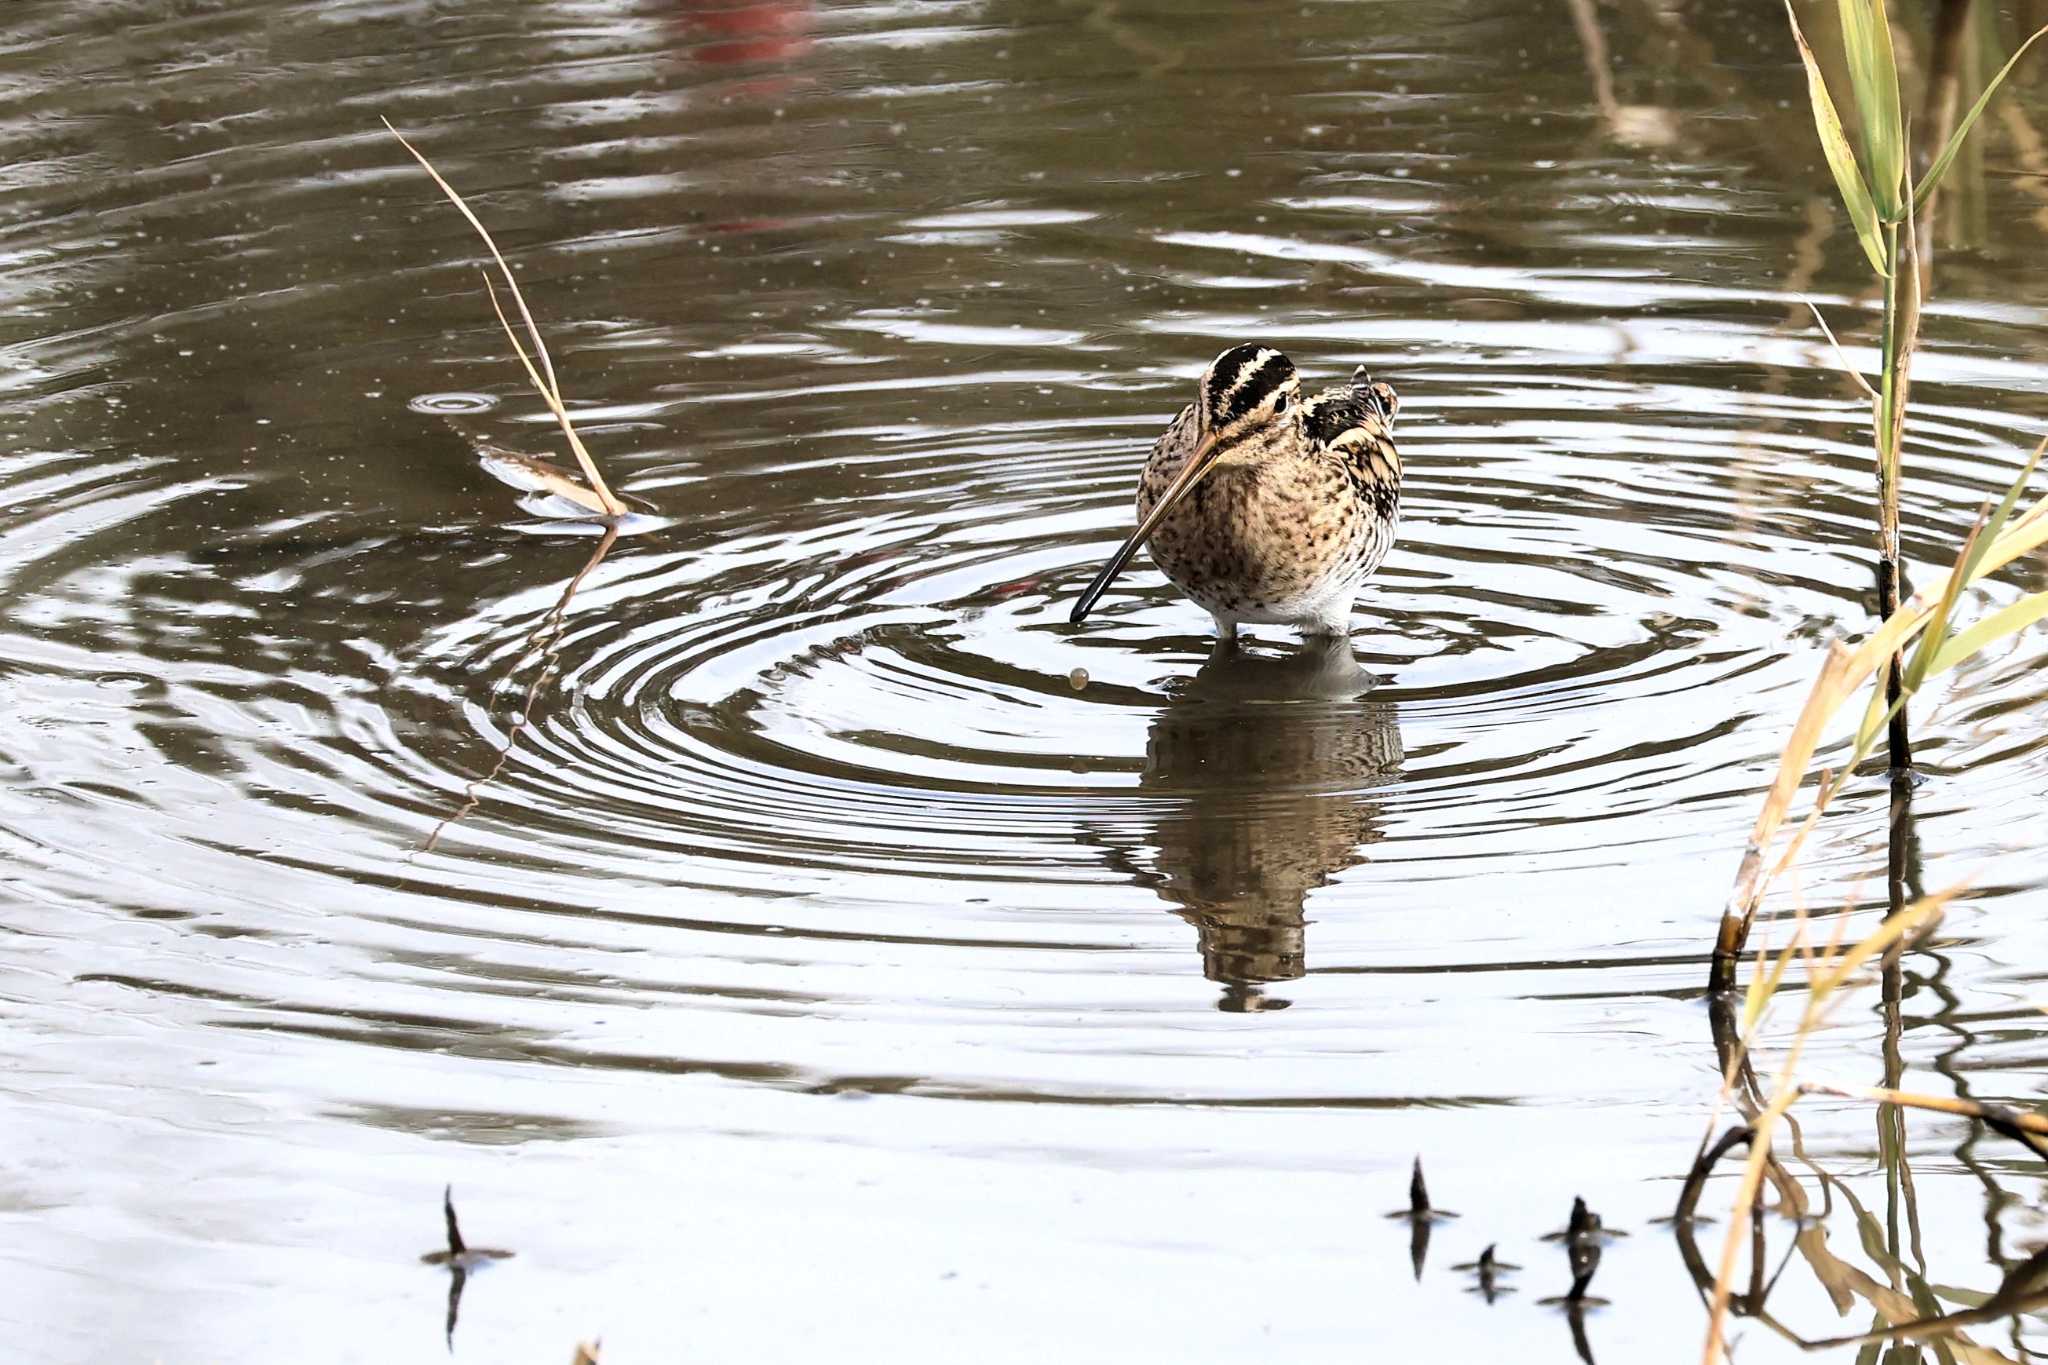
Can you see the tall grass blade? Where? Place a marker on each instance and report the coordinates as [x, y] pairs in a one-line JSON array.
[[1955, 142], [1905, 254], [1874, 75], [1841, 158], [1876, 717], [1844, 672]]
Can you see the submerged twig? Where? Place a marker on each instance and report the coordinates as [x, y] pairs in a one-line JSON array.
[[2023, 1290], [1828, 973], [541, 643]]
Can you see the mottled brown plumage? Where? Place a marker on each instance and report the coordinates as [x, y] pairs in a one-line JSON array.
[[1266, 508]]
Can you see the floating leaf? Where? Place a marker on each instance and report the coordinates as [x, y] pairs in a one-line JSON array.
[[530, 475]]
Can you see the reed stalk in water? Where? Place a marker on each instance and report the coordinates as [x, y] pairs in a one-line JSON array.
[[598, 497], [1882, 204], [1929, 615]]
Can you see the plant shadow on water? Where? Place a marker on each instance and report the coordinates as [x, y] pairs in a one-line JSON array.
[[1906, 1294], [814, 914], [1263, 767]]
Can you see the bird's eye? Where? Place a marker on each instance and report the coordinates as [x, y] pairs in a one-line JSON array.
[[1280, 401]]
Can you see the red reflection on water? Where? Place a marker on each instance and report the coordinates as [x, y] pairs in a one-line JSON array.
[[722, 32]]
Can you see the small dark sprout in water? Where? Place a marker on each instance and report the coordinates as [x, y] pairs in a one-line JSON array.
[[460, 1258], [1421, 1216], [1488, 1271], [455, 1246], [459, 1253], [1583, 1238], [1419, 1208], [1584, 1225], [1487, 1263]]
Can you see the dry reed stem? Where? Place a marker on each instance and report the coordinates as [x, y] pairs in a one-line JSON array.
[[550, 391], [1941, 1104], [1855, 375], [597, 497], [1845, 670]]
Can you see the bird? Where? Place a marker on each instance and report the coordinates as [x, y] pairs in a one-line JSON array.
[[1263, 507]]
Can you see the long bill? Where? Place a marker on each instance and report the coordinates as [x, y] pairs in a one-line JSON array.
[[1198, 464]]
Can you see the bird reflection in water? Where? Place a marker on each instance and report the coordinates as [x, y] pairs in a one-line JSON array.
[[1268, 762]]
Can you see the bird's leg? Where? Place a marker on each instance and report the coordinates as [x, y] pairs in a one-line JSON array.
[[1338, 670], [1226, 629], [1333, 624]]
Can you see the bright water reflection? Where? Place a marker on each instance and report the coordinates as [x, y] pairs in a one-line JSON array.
[[824, 971]]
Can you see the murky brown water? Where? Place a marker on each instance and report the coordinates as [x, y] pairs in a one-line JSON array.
[[824, 974]]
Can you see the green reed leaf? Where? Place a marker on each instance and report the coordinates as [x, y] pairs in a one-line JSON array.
[[1989, 631], [1841, 158], [1938, 624], [1994, 525], [1969, 566], [1874, 75], [1955, 142]]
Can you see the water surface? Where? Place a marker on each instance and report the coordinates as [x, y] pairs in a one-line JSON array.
[[822, 970]]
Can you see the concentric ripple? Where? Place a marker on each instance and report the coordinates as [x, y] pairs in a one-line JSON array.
[[787, 879], [1581, 624]]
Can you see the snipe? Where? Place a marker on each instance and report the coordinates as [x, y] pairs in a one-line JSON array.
[[1266, 508]]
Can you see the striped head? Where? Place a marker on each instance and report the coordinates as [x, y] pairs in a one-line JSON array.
[[1378, 395], [1245, 390], [1249, 409]]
